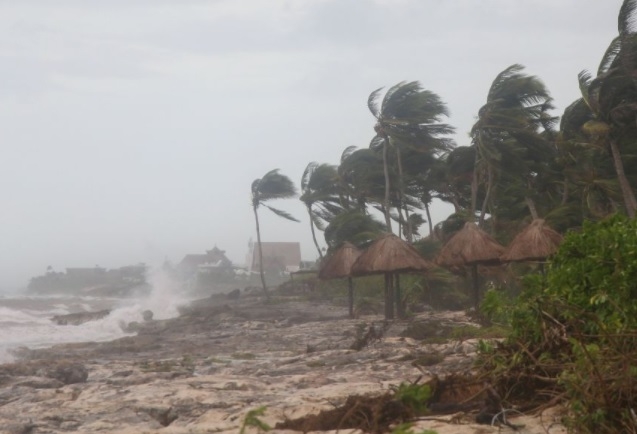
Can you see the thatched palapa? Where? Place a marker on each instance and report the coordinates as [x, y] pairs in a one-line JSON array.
[[339, 265], [390, 254], [535, 243], [469, 246]]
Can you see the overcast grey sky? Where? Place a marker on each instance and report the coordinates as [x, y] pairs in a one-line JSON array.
[[131, 130]]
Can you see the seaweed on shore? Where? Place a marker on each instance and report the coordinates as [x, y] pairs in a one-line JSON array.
[[377, 414]]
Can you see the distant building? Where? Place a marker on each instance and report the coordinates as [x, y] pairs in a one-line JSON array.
[[212, 259], [277, 256]]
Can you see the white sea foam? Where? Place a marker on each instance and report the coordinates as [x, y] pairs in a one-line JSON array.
[[27, 322]]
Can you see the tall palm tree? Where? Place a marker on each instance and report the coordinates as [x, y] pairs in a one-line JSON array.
[[319, 193], [612, 99], [508, 134], [411, 116], [272, 185]]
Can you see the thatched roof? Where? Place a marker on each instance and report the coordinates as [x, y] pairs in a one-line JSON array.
[[535, 243], [340, 263], [468, 246], [390, 254]]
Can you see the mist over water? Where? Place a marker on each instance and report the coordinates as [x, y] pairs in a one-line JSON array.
[[25, 320]]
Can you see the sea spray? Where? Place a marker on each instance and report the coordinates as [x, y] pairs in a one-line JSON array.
[[25, 321]]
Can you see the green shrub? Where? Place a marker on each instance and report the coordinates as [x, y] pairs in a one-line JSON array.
[[414, 396], [575, 331]]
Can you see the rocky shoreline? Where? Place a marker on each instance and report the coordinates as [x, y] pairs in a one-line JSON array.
[[203, 371]]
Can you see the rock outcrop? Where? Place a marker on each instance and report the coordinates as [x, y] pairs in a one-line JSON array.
[[79, 317], [203, 371]]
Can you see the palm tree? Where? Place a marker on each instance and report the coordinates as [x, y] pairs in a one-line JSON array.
[[590, 188], [407, 116], [612, 99], [272, 185], [319, 193], [353, 226], [361, 178], [508, 135]]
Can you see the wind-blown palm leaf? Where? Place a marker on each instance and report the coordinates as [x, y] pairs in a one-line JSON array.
[[372, 102], [347, 152], [627, 17], [272, 185], [307, 174], [354, 226], [610, 56], [281, 213]]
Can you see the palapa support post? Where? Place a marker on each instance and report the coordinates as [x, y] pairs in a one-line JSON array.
[[389, 296], [350, 296], [400, 307], [476, 286]]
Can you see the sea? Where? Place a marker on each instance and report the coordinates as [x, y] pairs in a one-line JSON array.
[[25, 319]]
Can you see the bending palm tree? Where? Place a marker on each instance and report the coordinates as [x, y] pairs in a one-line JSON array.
[[319, 193], [611, 99], [408, 116], [272, 186], [508, 135]]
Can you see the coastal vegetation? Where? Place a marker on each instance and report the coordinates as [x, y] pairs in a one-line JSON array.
[[272, 185], [572, 336]]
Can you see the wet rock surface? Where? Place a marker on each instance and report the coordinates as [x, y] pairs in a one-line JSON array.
[[79, 317], [203, 371]]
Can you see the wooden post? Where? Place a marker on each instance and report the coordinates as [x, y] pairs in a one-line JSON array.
[[400, 307], [389, 296], [476, 286], [350, 296]]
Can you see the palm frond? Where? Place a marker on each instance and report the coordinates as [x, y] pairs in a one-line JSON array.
[[307, 174], [372, 102], [347, 152], [377, 143], [627, 19], [282, 213], [272, 185], [610, 56], [585, 78]]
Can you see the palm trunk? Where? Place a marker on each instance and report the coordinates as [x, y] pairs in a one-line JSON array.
[[309, 211], [401, 223], [431, 225], [265, 288], [387, 184], [409, 232], [487, 196], [474, 187], [532, 208], [627, 192]]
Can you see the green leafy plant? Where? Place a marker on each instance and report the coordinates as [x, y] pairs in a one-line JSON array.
[[251, 419], [414, 396], [574, 332]]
